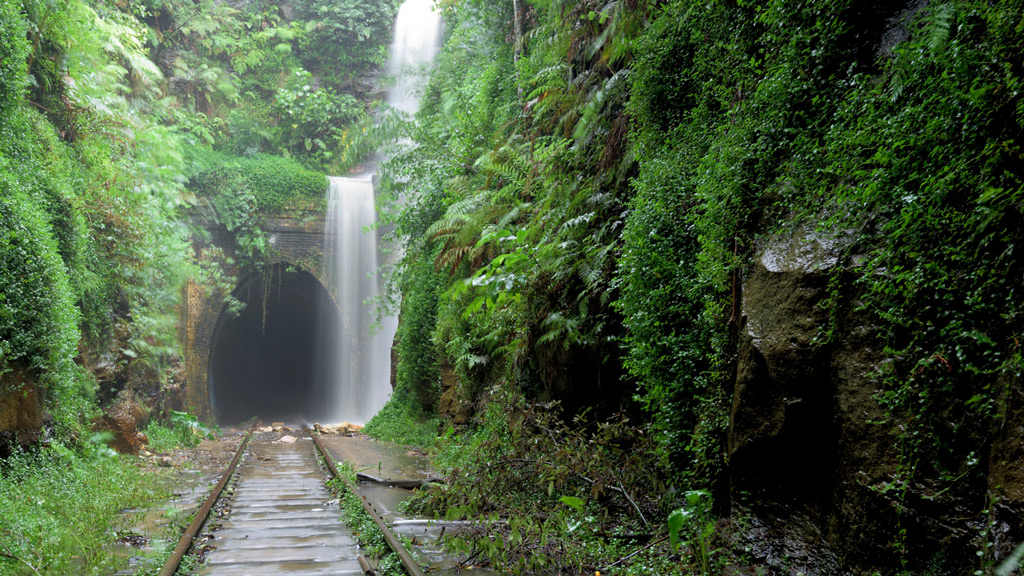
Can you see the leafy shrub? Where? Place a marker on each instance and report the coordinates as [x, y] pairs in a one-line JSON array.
[[274, 182], [348, 36], [403, 422], [38, 320], [14, 51], [694, 526], [313, 119], [418, 378], [185, 431]]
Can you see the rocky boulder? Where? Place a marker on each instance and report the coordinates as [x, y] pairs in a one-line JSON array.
[[809, 444], [805, 438], [782, 409], [124, 418]]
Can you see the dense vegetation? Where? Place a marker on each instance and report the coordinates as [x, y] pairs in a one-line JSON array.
[[116, 120], [589, 191], [593, 182]]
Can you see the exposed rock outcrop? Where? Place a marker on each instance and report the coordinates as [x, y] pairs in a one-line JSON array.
[[21, 410], [452, 406], [782, 405], [811, 445], [124, 418]]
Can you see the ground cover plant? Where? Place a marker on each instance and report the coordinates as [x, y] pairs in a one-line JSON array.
[[60, 509], [363, 527], [403, 423]]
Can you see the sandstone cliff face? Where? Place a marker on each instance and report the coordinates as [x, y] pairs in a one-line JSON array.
[[815, 456], [452, 405], [21, 410]]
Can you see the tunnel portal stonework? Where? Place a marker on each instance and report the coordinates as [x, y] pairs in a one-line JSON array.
[[296, 241]]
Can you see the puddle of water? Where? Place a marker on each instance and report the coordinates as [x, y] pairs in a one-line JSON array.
[[389, 461], [425, 534], [148, 534]]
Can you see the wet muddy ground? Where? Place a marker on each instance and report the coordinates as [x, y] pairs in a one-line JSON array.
[[187, 476]]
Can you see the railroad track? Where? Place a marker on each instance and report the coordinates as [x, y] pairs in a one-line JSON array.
[[280, 517]]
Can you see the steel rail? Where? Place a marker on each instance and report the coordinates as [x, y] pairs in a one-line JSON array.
[[171, 566], [407, 560]]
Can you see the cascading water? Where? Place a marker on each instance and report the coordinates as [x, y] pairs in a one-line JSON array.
[[360, 366], [416, 43], [361, 363]]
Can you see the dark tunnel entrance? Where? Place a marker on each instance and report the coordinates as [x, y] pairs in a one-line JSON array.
[[269, 360]]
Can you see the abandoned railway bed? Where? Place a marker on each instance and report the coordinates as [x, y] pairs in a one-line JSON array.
[[275, 515]]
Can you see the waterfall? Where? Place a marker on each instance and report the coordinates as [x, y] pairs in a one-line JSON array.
[[360, 366], [360, 362], [415, 45]]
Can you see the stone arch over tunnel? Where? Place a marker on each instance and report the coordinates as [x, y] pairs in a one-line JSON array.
[[270, 359]]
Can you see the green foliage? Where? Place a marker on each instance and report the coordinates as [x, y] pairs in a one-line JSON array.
[[312, 119], [418, 379], [748, 120], [925, 166], [185, 431], [277, 182], [527, 244], [693, 526], [240, 185], [560, 489], [616, 207], [250, 80], [14, 51], [402, 422], [91, 190], [348, 37], [38, 320], [370, 538], [58, 508]]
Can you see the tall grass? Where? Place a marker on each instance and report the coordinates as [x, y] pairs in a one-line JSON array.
[[59, 509]]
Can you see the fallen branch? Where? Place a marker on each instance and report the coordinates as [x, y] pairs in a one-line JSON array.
[[22, 560], [626, 494], [406, 484], [623, 559], [465, 563], [583, 477]]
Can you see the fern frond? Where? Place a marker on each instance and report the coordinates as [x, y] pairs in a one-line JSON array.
[[445, 226], [938, 27], [459, 186]]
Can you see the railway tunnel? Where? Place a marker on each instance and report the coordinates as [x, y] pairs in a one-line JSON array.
[[271, 359]]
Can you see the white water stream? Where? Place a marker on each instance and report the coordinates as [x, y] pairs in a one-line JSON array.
[[361, 364], [415, 45]]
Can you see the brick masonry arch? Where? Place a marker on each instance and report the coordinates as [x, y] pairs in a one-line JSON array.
[[296, 240]]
